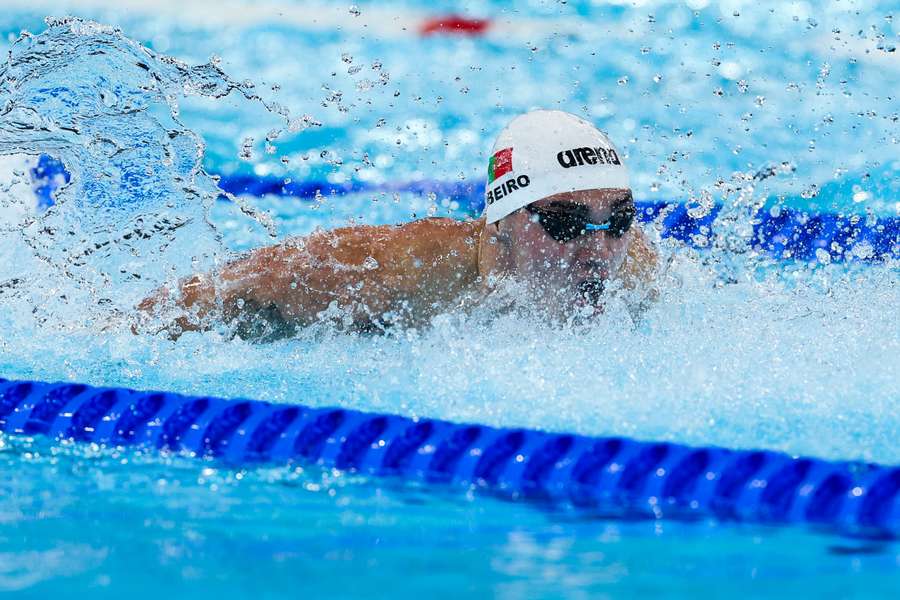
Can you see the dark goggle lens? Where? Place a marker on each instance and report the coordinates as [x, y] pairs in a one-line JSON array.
[[568, 223], [621, 219]]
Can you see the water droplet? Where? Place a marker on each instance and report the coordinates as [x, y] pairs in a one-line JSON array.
[[700, 206], [811, 192], [109, 98], [823, 256], [246, 152], [370, 264], [304, 122]]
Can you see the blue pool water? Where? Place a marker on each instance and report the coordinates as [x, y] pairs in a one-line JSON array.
[[743, 350]]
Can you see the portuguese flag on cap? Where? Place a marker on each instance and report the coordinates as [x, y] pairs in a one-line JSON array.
[[500, 164]]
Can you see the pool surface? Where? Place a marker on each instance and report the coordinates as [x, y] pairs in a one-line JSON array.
[[737, 107]]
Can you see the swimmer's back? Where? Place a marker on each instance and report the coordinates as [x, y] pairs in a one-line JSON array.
[[414, 265]]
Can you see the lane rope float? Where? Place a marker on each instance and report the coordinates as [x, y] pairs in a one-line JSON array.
[[637, 478]]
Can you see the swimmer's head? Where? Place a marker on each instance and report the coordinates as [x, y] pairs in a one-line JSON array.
[[558, 208]]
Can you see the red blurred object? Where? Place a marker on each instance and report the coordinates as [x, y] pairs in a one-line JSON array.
[[455, 24]]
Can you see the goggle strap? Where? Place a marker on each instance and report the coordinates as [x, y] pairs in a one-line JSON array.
[[597, 226]]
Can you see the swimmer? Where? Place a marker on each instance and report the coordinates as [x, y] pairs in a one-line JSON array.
[[558, 219]]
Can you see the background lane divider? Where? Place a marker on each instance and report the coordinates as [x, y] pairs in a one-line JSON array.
[[788, 234]]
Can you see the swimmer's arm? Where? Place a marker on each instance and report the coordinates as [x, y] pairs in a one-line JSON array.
[[257, 284], [185, 308], [365, 269]]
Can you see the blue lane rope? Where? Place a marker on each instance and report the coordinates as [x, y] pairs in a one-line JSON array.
[[634, 478], [786, 234]]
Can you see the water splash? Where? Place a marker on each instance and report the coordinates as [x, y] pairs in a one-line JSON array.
[[136, 209]]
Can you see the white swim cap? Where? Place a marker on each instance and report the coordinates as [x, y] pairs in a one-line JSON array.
[[546, 152]]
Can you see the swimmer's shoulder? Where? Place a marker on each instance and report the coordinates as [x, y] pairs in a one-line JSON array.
[[432, 230], [642, 261], [442, 242], [640, 274], [442, 228], [429, 241]]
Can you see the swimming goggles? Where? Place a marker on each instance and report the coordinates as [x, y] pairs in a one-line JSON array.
[[566, 221]]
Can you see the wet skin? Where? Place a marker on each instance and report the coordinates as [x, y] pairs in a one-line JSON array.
[[366, 278], [563, 275]]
